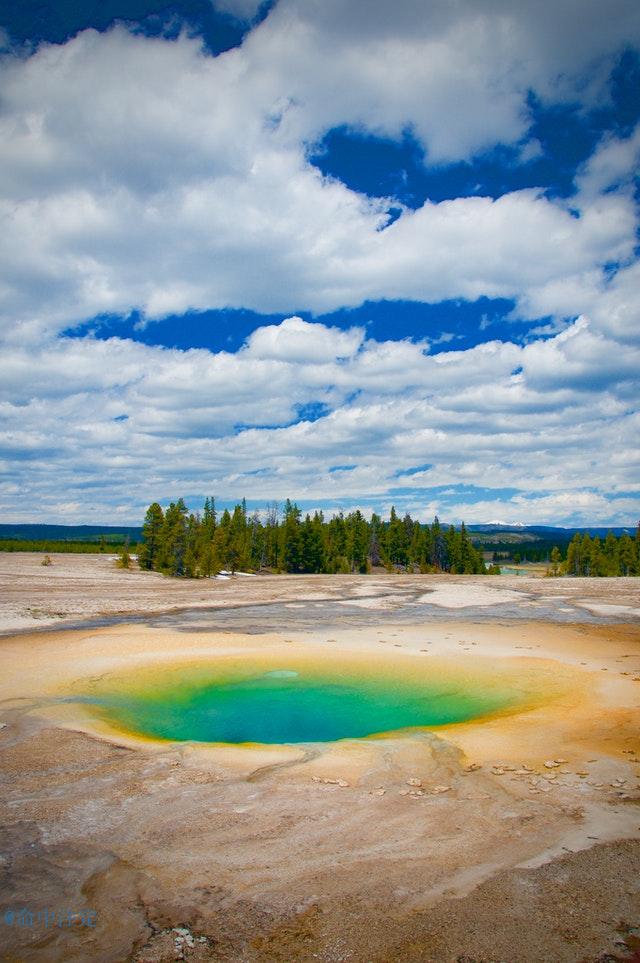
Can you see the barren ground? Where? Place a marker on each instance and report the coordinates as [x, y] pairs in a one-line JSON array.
[[458, 844]]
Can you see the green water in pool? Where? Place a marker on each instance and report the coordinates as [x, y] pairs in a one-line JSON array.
[[292, 703]]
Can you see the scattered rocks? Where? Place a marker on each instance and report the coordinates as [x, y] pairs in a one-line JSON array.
[[472, 767], [551, 764], [342, 783], [414, 781], [183, 937]]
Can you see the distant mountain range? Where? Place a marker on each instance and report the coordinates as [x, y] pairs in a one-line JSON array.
[[546, 532]]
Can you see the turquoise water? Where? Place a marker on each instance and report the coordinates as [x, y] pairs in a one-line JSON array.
[[287, 705]]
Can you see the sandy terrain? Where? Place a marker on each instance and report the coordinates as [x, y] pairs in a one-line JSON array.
[[514, 838], [78, 588]]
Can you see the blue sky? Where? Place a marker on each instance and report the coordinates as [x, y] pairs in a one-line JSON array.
[[352, 254]]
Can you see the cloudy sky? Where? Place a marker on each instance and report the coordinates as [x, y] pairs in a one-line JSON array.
[[353, 252]]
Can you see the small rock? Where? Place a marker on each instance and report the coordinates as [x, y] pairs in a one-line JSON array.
[[551, 764], [342, 783], [414, 781], [439, 789], [378, 792], [473, 767]]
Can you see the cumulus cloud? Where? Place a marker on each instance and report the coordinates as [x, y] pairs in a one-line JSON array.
[[243, 10], [298, 340], [144, 174], [140, 173], [99, 418], [615, 163]]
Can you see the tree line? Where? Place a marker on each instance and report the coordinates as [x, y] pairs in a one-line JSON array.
[[597, 557], [86, 547], [183, 543]]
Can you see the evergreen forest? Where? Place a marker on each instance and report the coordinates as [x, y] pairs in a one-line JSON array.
[[178, 542]]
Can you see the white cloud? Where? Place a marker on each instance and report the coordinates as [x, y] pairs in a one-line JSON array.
[[566, 418], [615, 163], [458, 73], [144, 174], [297, 340], [569, 508], [243, 10], [140, 173]]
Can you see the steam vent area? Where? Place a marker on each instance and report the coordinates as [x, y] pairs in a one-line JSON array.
[[317, 768]]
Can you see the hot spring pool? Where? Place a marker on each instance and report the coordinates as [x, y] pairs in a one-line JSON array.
[[239, 701]]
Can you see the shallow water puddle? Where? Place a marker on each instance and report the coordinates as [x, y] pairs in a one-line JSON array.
[[301, 700]]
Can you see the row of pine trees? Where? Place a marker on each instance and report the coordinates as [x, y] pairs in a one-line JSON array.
[[595, 557], [177, 542]]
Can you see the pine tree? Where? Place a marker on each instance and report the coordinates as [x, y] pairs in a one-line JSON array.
[[374, 539], [238, 544], [627, 555], [397, 540], [173, 539], [357, 541], [291, 538], [151, 533], [439, 558]]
